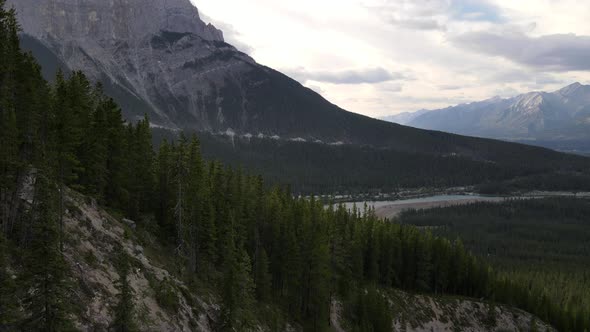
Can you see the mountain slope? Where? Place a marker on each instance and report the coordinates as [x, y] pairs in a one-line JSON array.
[[180, 72], [184, 76], [166, 303], [558, 115], [159, 58]]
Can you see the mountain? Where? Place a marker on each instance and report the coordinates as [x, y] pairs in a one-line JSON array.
[[159, 58], [562, 115], [404, 118]]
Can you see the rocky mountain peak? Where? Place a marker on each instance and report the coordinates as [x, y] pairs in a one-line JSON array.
[[110, 19], [568, 90], [529, 102]]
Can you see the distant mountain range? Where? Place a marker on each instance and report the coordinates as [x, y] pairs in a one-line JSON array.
[[559, 119]]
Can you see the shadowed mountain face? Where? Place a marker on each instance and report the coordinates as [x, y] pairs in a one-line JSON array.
[[536, 116]]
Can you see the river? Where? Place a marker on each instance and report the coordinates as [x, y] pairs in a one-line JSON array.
[[390, 209]]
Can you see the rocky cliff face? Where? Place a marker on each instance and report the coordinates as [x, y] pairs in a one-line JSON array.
[[109, 20], [156, 57]]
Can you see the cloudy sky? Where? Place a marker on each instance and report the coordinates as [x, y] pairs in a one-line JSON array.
[[381, 57]]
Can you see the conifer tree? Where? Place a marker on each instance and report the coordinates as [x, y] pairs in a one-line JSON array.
[[140, 171], [180, 170], [263, 279], [237, 289], [8, 301], [163, 209], [116, 187], [124, 311], [194, 198], [47, 271], [67, 138]]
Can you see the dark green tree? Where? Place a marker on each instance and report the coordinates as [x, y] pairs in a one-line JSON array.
[[47, 275], [124, 311], [9, 312]]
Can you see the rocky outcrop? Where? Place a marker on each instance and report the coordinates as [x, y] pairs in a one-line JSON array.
[[156, 57], [95, 240], [110, 20]]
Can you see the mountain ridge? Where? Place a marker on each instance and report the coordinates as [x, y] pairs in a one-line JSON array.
[[558, 115]]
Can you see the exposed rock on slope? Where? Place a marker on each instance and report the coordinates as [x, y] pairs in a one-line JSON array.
[[94, 241], [418, 313], [165, 303]]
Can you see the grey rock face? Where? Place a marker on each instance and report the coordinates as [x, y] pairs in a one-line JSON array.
[[156, 57], [103, 20]]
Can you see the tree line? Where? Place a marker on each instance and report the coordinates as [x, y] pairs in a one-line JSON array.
[[541, 244]]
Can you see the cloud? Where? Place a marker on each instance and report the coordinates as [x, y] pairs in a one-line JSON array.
[[559, 52], [448, 87], [411, 14], [433, 15], [475, 10], [353, 76], [318, 89], [418, 23]]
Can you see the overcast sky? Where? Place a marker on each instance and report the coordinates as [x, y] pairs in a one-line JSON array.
[[381, 57]]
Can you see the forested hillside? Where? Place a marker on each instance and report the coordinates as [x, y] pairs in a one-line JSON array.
[[267, 257], [314, 168], [540, 243]]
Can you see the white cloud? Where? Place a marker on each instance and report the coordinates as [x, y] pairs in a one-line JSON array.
[[347, 76], [379, 57]]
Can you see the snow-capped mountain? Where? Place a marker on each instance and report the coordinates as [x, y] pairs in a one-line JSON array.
[[558, 115]]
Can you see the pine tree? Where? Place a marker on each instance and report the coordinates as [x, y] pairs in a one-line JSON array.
[[263, 279], [116, 188], [95, 148], [47, 271], [371, 312], [8, 301], [180, 170], [67, 138], [164, 194], [8, 166], [140, 172], [237, 289], [124, 311], [194, 198]]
